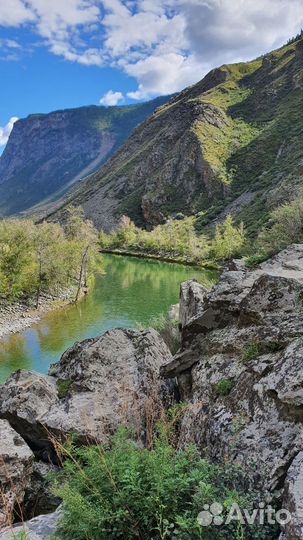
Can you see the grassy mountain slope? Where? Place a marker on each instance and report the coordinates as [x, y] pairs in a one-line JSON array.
[[232, 142], [46, 153]]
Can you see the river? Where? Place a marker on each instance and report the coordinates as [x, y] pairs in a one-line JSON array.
[[129, 292]]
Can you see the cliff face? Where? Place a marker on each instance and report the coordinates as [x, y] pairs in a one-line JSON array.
[[46, 153], [239, 370], [235, 138]]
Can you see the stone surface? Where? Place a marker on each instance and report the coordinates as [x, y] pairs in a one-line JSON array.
[[16, 465], [39, 528], [293, 500], [248, 331], [191, 301], [39, 498], [98, 385]]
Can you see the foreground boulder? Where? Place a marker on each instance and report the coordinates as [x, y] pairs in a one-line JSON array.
[[98, 385], [39, 528], [240, 369], [16, 467]]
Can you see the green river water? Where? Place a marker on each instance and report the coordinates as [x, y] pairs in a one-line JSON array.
[[130, 291]]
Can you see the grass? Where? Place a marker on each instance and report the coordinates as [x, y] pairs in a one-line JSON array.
[[168, 329], [224, 387], [63, 387]]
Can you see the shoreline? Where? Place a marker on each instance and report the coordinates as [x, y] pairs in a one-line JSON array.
[[15, 318], [165, 257]]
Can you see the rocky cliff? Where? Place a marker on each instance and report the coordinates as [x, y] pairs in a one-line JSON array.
[[47, 153], [233, 141], [239, 372]]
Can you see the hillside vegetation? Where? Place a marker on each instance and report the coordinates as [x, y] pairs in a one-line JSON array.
[[232, 143]]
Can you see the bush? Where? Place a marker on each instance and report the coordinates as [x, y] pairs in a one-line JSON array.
[[286, 227], [229, 240], [176, 237], [126, 492]]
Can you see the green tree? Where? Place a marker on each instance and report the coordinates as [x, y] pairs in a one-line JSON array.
[[16, 258], [83, 247], [51, 270]]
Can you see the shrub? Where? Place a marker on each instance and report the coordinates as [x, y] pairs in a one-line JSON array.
[[285, 227], [126, 492], [229, 240]]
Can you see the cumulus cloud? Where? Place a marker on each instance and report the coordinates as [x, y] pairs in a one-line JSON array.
[[15, 13], [6, 130], [111, 98], [164, 44]]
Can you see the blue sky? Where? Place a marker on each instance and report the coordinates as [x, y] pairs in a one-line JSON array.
[[65, 53]]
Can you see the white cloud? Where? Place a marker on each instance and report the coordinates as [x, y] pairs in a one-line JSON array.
[[6, 130], [9, 44], [165, 44], [111, 98], [164, 74], [14, 13]]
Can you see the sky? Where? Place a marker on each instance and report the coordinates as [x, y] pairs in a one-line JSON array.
[[57, 54]]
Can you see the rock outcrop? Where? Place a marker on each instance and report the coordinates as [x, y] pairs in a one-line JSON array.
[[39, 528], [98, 385], [16, 467], [293, 500], [240, 369]]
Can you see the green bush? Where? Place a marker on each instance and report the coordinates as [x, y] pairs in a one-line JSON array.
[[229, 240], [285, 227], [126, 492]]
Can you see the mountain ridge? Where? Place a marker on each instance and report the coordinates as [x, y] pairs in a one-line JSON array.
[[235, 135], [48, 152]]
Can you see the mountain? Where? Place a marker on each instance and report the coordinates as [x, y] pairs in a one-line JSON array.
[[47, 153], [231, 143]]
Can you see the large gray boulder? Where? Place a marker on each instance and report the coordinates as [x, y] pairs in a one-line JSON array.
[[39, 528], [16, 466], [98, 385]]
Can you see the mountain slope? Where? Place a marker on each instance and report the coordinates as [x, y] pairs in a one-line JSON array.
[[46, 153], [232, 141]]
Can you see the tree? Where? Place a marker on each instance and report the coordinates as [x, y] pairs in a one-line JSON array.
[[83, 248], [51, 271], [16, 258]]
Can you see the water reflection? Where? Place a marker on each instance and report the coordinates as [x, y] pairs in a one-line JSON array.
[[131, 291]]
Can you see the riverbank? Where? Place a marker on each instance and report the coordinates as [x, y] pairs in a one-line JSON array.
[[163, 257], [17, 317]]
